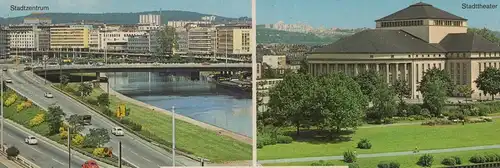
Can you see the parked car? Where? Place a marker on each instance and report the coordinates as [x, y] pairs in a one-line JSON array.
[[48, 95], [117, 131], [31, 140], [8, 80]]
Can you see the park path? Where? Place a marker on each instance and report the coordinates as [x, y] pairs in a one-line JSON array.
[[220, 131], [309, 159]]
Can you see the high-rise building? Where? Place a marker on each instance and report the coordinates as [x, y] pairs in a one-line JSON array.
[[201, 40], [70, 38], [150, 19], [234, 41], [28, 38], [4, 42]]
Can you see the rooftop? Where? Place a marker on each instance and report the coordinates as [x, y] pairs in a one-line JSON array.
[[421, 11]]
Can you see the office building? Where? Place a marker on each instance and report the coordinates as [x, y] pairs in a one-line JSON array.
[[234, 41], [145, 43], [150, 19], [4, 42], [406, 44], [28, 38], [73, 37], [201, 39], [182, 24]]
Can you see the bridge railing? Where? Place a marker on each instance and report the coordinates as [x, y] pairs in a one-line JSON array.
[[19, 160]]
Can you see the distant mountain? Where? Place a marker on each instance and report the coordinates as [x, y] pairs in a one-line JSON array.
[[268, 36], [119, 18]]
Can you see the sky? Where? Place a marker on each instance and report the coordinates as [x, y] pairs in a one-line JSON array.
[[226, 8], [363, 13]]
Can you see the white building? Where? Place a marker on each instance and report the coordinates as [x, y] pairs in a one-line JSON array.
[[201, 40], [29, 38], [145, 43], [148, 27], [37, 21], [150, 19], [182, 42], [275, 61], [180, 23], [208, 18], [116, 40], [4, 42]]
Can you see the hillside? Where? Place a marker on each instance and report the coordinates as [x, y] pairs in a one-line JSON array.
[[267, 36], [118, 18]]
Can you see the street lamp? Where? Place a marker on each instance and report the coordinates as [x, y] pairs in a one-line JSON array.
[[1, 110]]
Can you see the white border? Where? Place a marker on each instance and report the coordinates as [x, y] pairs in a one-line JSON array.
[[254, 84]]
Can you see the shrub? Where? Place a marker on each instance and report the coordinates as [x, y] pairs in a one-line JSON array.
[[438, 122], [282, 139], [266, 139], [477, 158], [350, 157], [457, 160], [414, 109], [449, 161], [492, 157], [20, 107], [364, 144], [353, 165], [389, 121], [417, 117], [425, 112], [322, 163], [63, 134], [425, 160], [77, 139], [12, 152], [260, 145], [386, 164], [37, 120], [28, 103], [99, 152]]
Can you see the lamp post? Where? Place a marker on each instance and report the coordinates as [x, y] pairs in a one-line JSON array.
[[1, 110], [69, 147]]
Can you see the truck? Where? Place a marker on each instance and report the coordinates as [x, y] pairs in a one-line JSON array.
[[86, 119], [90, 164]]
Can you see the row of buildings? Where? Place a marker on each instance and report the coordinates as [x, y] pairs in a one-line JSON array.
[[194, 37]]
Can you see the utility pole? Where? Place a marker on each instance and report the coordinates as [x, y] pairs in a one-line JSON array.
[[1, 104], [173, 136], [120, 155], [69, 147]]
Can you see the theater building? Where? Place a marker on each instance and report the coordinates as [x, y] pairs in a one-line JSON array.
[[405, 44]]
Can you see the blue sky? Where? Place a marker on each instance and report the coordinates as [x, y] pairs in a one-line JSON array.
[[228, 8], [363, 13]]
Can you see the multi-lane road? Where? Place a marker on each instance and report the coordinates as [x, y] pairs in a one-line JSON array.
[[134, 150]]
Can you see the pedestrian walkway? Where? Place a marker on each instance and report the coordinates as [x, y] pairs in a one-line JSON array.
[[372, 155], [5, 163]]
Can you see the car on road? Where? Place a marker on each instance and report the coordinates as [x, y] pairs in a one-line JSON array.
[[48, 95], [4, 69], [90, 164], [8, 80], [117, 131], [31, 140]]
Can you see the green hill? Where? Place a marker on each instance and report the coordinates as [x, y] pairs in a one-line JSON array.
[[118, 18], [267, 36]]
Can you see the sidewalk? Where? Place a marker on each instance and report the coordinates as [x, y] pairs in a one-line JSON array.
[[221, 131], [5, 163]]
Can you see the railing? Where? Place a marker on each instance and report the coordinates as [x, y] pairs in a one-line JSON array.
[[482, 165], [19, 160]]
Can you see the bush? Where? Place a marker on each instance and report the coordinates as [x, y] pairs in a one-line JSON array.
[[350, 157], [37, 120], [364, 144], [93, 102], [438, 122], [386, 164], [414, 109], [266, 139], [478, 158], [458, 161], [20, 107], [12, 152], [389, 121], [322, 163], [260, 144], [425, 160], [63, 134], [77, 139], [492, 157], [282, 139], [28, 104], [425, 112], [417, 117], [449, 161], [353, 165], [99, 152]]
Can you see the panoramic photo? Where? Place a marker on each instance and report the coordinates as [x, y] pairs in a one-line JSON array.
[[126, 84], [381, 83]]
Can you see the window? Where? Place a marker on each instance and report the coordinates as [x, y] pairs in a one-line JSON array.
[[392, 56], [371, 56]]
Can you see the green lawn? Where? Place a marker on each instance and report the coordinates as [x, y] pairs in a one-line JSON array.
[[197, 140], [25, 116], [392, 139], [408, 161]]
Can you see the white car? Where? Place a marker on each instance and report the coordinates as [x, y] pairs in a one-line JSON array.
[[31, 140], [48, 95], [117, 131], [8, 80]]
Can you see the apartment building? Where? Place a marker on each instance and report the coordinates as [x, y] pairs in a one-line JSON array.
[[70, 38], [201, 39], [234, 41], [181, 24], [4, 42], [145, 43], [37, 21], [182, 42], [150, 19], [28, 38], [116, 40]]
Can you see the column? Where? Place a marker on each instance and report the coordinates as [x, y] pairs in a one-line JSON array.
[[387, 72], [309, 67], [328, 68], [405, 71], [345, 68], [377, 65], [366, 68], [356, 69], [395, 76]]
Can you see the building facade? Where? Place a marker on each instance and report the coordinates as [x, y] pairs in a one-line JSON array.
[[182, 24], [37, 21], [28, 38], [234, 41], [4, 42], [406, 44], [145, 43], [201, 40], [182, 41], [116, 40], [150, 19], [70, 38]]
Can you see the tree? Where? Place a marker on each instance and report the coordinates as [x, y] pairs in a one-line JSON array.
[[75, 121], [368, 81], [12, 152], [488, 81], [85, 89], [304, 66], [340, 102], [64, 80], [402, 89], [103, 100], [54, 118], [486, 33], [268, 72], [436, 74], [290, 101], [96, 138], [465, 91], [435, 97], [425, 160], [384, 102], [167, 40]]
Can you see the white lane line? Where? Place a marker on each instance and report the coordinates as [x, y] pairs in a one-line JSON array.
[[58, 161], [35, 149], [146, 159]]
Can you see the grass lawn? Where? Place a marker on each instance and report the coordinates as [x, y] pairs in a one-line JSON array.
[[408, 161], [23, 117], [199, 141], [391, 139]]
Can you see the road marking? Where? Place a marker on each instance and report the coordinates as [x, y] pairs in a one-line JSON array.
[[35, 149], [146, 159], [58, 161], [134, 153]]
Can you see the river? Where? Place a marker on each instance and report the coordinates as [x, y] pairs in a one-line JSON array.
[[197, 99]]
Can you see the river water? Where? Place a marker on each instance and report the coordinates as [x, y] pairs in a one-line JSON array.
[[198, 99]]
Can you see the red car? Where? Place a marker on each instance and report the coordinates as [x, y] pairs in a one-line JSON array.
[[90, 164]]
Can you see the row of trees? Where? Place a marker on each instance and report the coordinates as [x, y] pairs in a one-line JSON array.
[[336, 101]]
